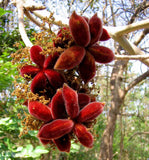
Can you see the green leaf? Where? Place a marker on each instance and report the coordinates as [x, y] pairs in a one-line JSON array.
[[2, 11]]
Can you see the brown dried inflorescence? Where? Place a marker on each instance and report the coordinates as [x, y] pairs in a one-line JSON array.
[[56, 72]]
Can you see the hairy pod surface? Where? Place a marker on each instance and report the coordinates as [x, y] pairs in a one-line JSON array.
[[90, 112], [63, 143], [35, 55], [58, 106], [71, 101], [55, 129], [79, 29], [87, 68], [40, 111], [95, 25], [83, 135], [101, 54]]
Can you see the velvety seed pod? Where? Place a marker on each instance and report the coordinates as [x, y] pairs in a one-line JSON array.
[[63, 143], [105, 35], [55, 129], [44, 142], [87, 68], [39, 111], [95, 25], [83, 135], [29, 70], [58, 106], [36, 57], [87, 19], [55, 78], [90, 112], [50, 61], [71, 101], [39, 83], [101, 54], [79, 29], [70, 58], [83, 99]]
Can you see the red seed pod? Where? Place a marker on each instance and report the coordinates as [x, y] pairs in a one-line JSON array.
[[40, 111], [101, 54], [63, 143], [29, 70], [58, 106], [71, 101], [90, 112], [87, 68], [50, 61], [44, 142], [56, 79], [105, 35], [55, 129], [83, 99], [36, 56], [39, 83], [70, 58], [83, 135], [95, 25], [79, 29]]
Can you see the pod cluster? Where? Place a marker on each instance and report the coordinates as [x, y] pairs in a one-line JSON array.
[[70, 110]]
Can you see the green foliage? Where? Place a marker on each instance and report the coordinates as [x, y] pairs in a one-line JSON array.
[[3, 12]]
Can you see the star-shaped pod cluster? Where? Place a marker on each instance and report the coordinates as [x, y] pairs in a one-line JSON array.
[[66, 117], [85, 51], [70, 112], [43, 74]]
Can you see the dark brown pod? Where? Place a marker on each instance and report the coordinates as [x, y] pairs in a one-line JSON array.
[[70, 58], [55, 129], [79, 29], [95, 25], [101, 54]]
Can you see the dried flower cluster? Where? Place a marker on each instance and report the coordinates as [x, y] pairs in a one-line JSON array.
[[59, 75]]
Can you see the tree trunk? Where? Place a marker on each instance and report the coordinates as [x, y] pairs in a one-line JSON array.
[[117, 98]]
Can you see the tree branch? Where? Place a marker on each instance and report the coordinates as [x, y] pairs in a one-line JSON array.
[[121, 30], [132, 57], [138, 133], [136, 81], [141, 36], [130, 47], [27, 13], [19, 5]]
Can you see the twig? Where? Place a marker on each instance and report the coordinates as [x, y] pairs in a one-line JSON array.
[[27, 13], [141, 36], [138, 133], [136, 81]]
